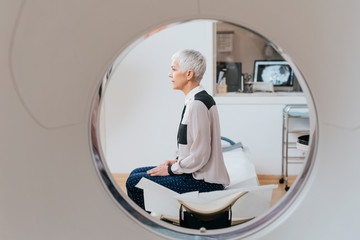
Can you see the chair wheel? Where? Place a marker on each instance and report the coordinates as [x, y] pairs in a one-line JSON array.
[[281, 181], [287, 188]]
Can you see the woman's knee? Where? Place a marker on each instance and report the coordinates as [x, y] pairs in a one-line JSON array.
[[134, 179]]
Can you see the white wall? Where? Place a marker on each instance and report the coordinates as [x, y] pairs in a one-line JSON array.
[[142, 111]]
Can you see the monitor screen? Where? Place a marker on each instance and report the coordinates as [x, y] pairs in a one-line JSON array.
[[277, 72]]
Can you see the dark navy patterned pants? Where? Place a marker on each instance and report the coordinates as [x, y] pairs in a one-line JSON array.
[[180, 183]]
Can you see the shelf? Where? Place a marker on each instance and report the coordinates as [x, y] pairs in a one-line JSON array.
[[277, 98], [302, 147], [299, 131], [239, 94]]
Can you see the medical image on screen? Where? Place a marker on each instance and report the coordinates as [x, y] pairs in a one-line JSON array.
[[277, 74]]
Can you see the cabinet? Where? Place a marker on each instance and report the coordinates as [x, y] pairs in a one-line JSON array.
[[256, 121]]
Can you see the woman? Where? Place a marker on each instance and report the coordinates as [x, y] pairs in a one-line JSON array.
[[199, 165]]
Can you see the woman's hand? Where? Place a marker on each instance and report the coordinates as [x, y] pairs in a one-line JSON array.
[[170, 162], [162, 169]]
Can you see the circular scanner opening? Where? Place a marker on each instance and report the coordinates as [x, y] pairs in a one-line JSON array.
[[136, 114]]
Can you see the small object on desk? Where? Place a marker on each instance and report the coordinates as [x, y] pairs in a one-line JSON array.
[[222, 88], [248, 87], [263, 87], [241, 89]]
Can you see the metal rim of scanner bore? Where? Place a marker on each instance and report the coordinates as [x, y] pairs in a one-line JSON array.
[[168, 230]]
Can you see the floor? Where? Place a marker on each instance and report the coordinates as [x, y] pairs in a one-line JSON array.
[[279, 192], [263, 180]]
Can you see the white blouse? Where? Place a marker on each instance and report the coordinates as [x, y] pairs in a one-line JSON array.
[[199, 140]]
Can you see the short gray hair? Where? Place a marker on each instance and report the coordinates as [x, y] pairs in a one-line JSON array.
[[191, 60]]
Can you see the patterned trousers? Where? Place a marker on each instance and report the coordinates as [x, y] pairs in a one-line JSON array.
[[180, 183]]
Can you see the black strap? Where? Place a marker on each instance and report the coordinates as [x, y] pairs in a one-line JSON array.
[[169, 171], [182, 116]]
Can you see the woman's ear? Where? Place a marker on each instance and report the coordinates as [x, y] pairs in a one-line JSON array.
[[190, 74]]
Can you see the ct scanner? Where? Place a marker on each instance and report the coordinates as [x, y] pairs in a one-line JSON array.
[[54, 55]]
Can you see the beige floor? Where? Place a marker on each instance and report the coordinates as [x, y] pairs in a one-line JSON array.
[[263, 179], [279, 192]]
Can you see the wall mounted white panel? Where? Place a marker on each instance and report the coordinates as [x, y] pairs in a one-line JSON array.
[[65, 48]]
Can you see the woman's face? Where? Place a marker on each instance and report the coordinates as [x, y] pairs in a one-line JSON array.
[[178, 78]]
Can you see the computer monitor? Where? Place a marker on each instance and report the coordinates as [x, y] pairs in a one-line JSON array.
[[278, 72]]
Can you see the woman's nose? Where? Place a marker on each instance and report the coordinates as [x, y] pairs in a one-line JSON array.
[[169, 75]]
